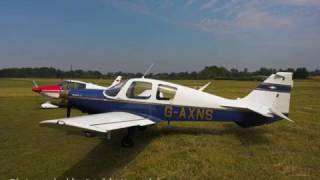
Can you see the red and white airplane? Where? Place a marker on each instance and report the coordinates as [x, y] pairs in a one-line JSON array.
[[51, 92]]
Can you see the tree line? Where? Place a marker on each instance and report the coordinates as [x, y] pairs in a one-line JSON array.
[[209, 72]]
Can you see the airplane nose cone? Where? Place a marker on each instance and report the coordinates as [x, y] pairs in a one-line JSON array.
[[36, 89]]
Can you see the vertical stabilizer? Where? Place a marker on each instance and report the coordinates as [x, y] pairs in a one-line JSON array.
[[116, 81], [274, 92]]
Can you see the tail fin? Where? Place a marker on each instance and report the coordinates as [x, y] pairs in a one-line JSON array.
[[116, 81], [274, 92]]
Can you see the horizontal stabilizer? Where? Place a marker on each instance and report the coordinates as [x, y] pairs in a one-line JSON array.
[[260, 109], [280, 114], [257, 108]]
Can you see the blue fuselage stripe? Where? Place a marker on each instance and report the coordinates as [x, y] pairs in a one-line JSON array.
[[274, 87]]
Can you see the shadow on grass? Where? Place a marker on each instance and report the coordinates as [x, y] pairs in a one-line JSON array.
[[247, 136], [108, 156]]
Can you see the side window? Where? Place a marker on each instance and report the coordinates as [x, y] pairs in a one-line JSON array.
[[139, 90], [71, 85], [79, 86], [166, 92], [67, 85]]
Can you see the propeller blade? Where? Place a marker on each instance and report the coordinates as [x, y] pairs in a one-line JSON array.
[[34, 83]]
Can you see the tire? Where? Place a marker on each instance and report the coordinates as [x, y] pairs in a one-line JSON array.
[[88, 134], [127, 142], [142, 128]]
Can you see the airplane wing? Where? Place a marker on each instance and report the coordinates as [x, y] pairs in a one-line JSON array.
[[103, 123]]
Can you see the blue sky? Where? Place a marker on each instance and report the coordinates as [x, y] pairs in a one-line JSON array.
[[181, 35]]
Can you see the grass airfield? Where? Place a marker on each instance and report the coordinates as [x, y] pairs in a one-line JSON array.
[[186, 151]]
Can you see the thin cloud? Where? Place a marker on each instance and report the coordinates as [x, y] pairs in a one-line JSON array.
[[221, 16], [208, 4], [255, 19], [302, 2], [136, 7], [189, 2]]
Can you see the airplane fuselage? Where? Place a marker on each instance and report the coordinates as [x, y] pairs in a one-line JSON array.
[[95, 102]]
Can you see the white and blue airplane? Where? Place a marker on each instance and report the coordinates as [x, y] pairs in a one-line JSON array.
[[142, 102]]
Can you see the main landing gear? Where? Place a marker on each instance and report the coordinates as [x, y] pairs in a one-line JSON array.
[[127, 140], [89, 134], [142, 128]]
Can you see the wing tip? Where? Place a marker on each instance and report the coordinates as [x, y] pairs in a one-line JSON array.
[[51, 122]]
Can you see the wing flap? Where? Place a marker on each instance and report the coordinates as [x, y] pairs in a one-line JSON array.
[[121, 125], [101, 122]]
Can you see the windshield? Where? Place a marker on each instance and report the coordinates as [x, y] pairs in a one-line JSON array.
[[114, 90], [72, 85]]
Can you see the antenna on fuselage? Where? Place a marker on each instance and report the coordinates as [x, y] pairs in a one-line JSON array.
[[71, 71], [148, 70]]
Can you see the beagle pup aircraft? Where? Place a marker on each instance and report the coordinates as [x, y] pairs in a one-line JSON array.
[[141, 102], [51, 92]]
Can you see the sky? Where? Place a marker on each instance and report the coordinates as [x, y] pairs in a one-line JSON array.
[[176, 35]]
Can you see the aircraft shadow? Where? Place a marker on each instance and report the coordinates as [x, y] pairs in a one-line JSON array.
[[108, 156], [247, 136]]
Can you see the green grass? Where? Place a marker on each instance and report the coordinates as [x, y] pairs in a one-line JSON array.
[[186, 151]]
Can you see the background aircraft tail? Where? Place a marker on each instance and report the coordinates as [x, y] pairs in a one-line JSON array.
[[274, 92], [116, 81]]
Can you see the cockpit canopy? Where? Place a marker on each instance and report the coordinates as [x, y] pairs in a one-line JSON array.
[[141, 89], [72, 85]]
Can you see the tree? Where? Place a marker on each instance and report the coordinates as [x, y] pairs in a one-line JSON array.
[[301, 73]]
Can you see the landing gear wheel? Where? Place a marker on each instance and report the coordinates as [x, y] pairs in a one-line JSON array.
[[142, 128], [127, 142], [88, 134]]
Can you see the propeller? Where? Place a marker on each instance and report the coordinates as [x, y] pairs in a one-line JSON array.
[[34, 83]]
